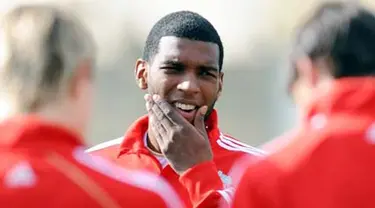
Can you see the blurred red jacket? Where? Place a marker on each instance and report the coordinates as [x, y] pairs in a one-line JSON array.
[[329, 163], [44, 165], [205, 185], [279, 142]]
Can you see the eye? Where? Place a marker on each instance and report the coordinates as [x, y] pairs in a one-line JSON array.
[[172, 69], [207, 72]]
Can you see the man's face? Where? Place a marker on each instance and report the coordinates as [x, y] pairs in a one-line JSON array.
[[185, 73]]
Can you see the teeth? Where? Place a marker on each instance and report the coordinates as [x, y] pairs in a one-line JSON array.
[[183, 106]]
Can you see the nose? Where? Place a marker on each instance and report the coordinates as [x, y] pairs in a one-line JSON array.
[[189, 84]]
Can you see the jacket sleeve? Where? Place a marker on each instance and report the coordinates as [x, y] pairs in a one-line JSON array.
[[158, 193], [205, 187]]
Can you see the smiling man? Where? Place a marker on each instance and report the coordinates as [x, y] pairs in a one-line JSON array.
[[182, 64]]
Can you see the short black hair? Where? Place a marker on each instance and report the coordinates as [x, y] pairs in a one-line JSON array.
[[182, 24], [343, 33]]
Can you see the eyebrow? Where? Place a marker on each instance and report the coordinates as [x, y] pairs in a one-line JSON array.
[[178, 63], [173, 62], [209, 68]]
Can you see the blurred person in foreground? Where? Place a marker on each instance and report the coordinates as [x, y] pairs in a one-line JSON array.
[[329, 163], [180, 138], [46, 78]]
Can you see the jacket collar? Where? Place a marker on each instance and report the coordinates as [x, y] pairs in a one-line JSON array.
[[354, 95], [31, 130], [134, 143]]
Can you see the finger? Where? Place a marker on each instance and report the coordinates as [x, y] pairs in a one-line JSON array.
[[199, 119], [149, 101], [158, 120], [161, 117], [155, 111], [158, 130], [158, 137], [164, 112], [147, 97], [157, 124], [170, 113]]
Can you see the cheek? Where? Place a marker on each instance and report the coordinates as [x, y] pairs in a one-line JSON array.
[[210, 93], [161, 85]]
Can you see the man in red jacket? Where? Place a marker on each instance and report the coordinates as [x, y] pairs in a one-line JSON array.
[[182, 65], [45, 92], [330, 160]]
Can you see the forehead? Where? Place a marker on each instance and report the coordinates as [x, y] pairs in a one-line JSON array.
[[187, 51]]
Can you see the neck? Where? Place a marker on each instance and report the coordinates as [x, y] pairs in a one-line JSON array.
[[56, 115], [324, 86], [61, 120]]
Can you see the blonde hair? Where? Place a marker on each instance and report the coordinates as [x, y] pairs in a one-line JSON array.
[[40, 48]]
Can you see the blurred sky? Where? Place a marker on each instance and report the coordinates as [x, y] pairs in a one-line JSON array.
[[254, 106], [239, 22]]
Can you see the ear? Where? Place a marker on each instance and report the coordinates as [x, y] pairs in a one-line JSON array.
[[141, 73], [307, 71], [83, 73], [221, 82]]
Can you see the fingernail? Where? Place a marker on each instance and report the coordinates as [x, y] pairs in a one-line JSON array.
[[156, 97], [147, 106], [204, 110], [147, 97]]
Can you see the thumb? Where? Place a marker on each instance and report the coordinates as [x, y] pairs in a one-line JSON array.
[[199, 118]]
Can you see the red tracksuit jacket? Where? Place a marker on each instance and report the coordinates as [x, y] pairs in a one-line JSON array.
[[202, 186], [44, 165], [329, 164]]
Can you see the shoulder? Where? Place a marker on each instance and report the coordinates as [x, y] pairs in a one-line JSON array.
[[258, 186], [30, 179], [18, 172], [29, 175], [281, 141], [106, 149], [29, 170], [144, 183], [106, 145], [230, 144]]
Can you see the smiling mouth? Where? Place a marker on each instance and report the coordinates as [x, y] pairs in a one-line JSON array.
[[185, 107], [186, 110]]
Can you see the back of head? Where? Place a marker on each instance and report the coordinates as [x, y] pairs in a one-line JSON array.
[[344, 34], [40, 48], [182, 24]]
